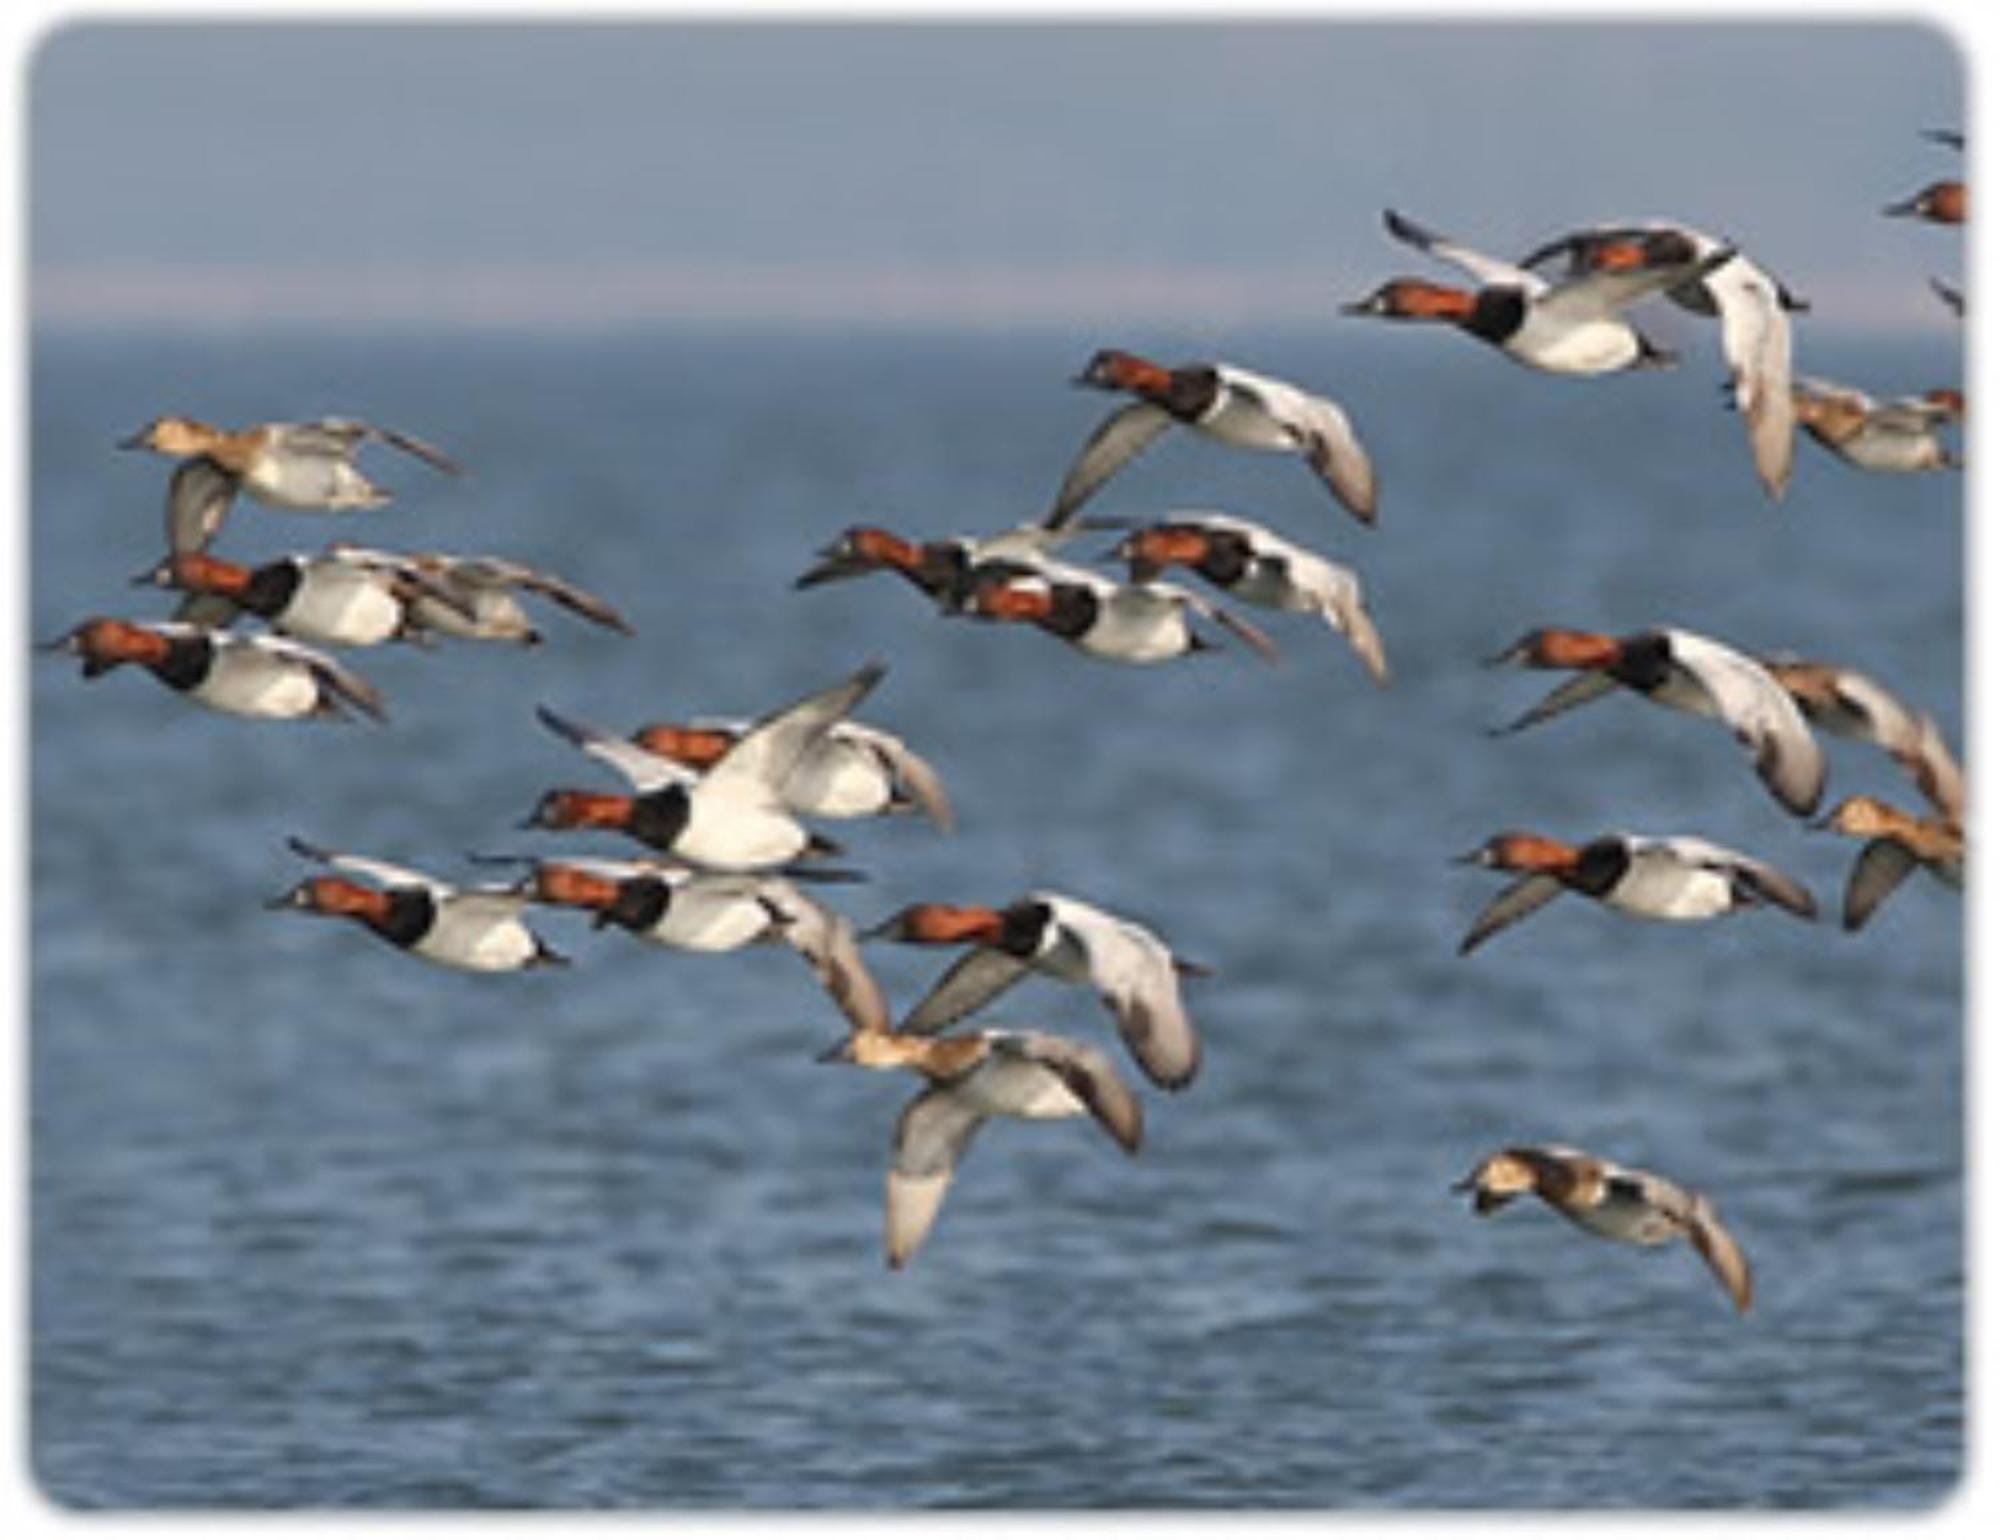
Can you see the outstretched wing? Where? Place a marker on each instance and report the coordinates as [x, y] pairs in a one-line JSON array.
[[382, 873], [1252, 636], [1762, 714], [1114, 442], [339, 437], [334, 676], [981, 975], [1089, 1077], [932, 1135], [768, 753], [826, 941], [1578, 690], [497, 571], [1878, 871], [1719, 1250], [199, 496], [645, 770], [1133, 972], [908, 770], [1489, 272], [1517, 901]]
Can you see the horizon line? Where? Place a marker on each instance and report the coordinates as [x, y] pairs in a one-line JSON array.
[[572, 295]]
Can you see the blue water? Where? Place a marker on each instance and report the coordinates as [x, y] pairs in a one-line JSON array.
[[316, 1224]]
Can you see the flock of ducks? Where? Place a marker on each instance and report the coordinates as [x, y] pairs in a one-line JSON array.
[[721, 810]]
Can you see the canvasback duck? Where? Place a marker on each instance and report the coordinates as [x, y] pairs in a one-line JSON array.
[[1573, 327], [1130, 969], [1897, 436], [1685, 672], [685, 910], [306, 466], [662, 903], [939, 569], [1678, 877], [1897, 844], [1251, 563], [1117, 622], [1941, 203], [327, 600], [478, 930], [1619, 1203], [473, 597], [731, 817], [1222, 402], [250, 676], [1751, 306], [852, 771], [972, 1077]]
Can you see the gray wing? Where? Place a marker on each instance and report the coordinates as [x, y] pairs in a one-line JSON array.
[[339, 437], [1487, 271], [1252, 636], [512, 574], [770, 751], [1347, 611], [826, 941], [1757, 345], [1718, 1248], [1878, 871], [981, 975], [908, 770], [1579, 690], [1090, 1078], [1762, 714], [1115, 441], [430, 454], [645, 770], [383, 873], [1517, 901], [336, 677], [1927, 758], [932, 1136], [1757, 878], [215, 611], [199, 495], [1323, 433], [1133, 973]]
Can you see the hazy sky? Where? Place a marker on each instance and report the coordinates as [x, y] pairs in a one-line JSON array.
[[591, 171]]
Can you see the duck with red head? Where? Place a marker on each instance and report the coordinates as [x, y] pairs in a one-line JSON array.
[[1138, 623], [330, 600], [1251, 563], [1222, 402], [252, 676], [1574, 327], [1686, 672], [731, 817], [1677, 877], [473, 929], [1131, 969]]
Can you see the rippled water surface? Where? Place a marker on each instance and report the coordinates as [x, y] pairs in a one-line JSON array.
[[316, 1224]]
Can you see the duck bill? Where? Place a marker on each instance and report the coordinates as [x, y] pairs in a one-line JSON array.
[[841, 1052], [831, 568]]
